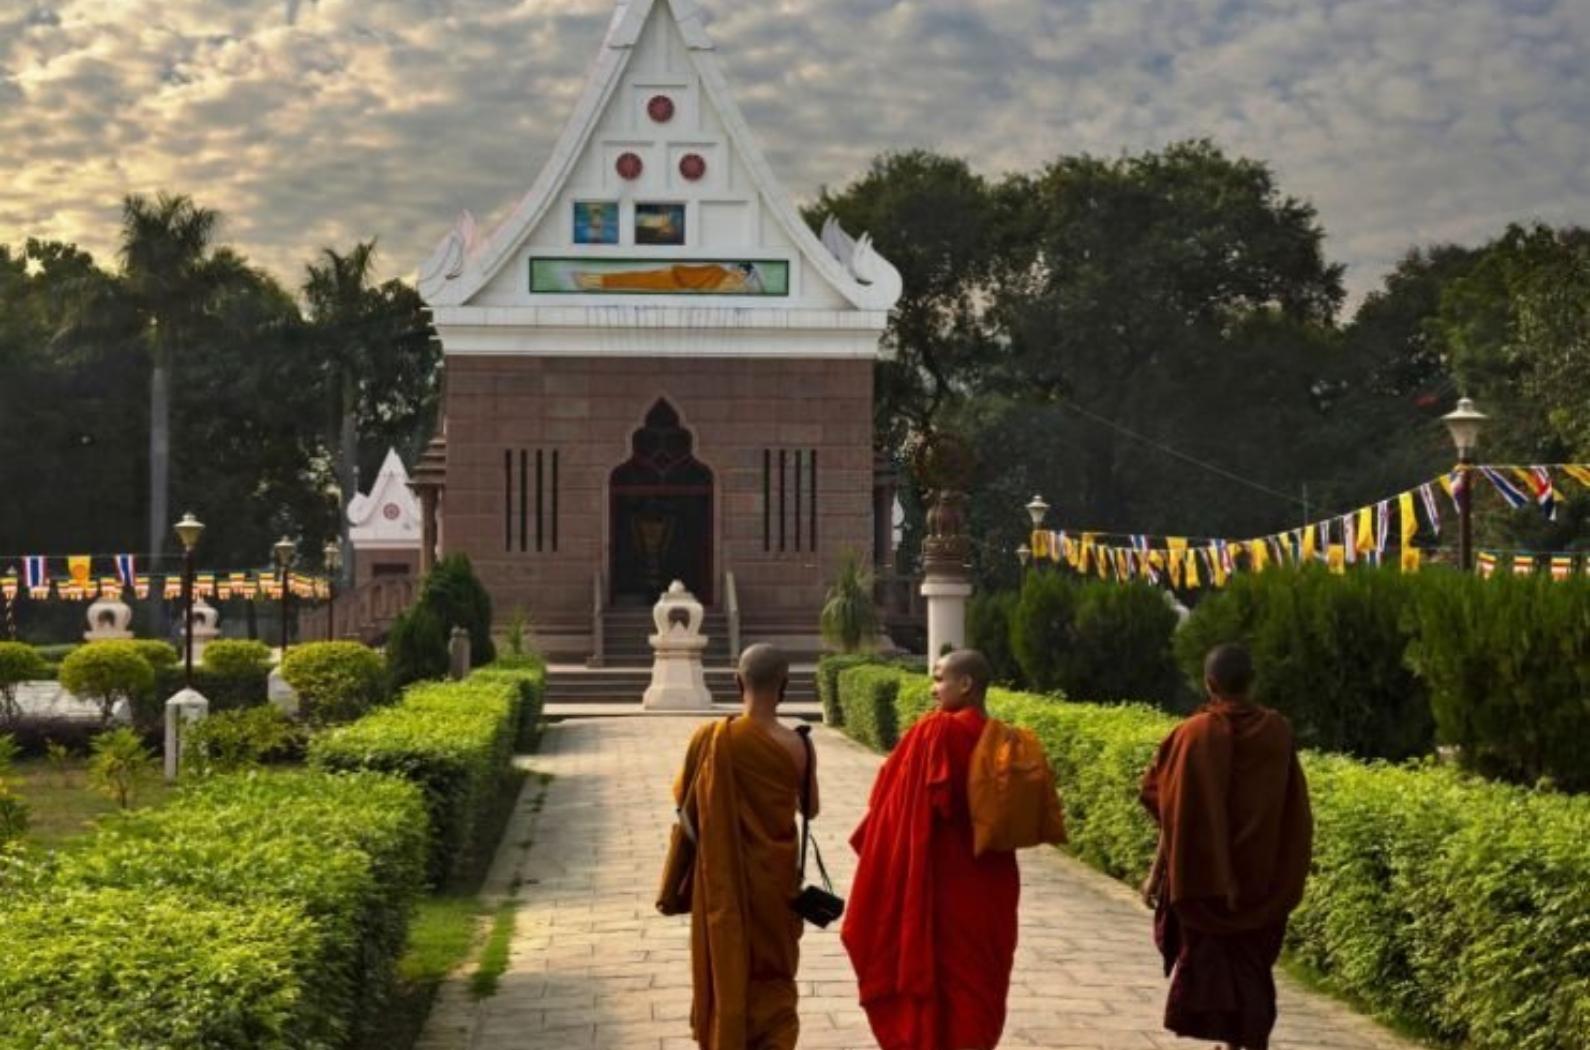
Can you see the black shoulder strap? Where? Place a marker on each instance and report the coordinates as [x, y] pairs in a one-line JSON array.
[[806, 810]]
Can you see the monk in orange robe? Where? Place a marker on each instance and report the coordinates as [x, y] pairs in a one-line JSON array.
[[746, 773], [682, 277], [1234, 849], [931, 928]]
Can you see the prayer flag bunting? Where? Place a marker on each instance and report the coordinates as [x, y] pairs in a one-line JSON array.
[[141, 587], [1523, 565], [8, 586], [1432, 510], [1562, 567], [1545, 491], [1505, 487], [37, 574], [126, 569], [173, 587], [1486, 563]]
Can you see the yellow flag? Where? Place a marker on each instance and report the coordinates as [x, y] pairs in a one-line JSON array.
[[1336, 558], [1176, 551], [77, 566], [1068, 551], [1579, 473], [1040, 545], [1085, 557], [1191, 575], [1364, 532], [1410, 526], [1412, 558], [1259, 555], [1309, 550]]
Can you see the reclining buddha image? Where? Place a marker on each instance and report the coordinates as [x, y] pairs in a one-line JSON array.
[[654, 277]]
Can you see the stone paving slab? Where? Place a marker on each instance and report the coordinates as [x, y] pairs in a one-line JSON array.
[[593, 965]]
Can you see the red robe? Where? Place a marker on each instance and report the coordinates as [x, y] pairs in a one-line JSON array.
[[931, 930], [1235, 836]]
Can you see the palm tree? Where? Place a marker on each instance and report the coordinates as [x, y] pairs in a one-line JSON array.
[[171, 274]]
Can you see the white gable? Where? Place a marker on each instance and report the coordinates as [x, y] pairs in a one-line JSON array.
[[656, 227], [388, 516]]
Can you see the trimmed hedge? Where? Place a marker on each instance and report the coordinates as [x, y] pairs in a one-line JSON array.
[[454, 739], [527, 674], [335, 681], [866, 696], [1458, 905], [828, 670], [335, 860], [147, 969]]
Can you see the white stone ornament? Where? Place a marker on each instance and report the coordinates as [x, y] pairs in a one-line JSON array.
[[182, 710], [108, 619], [678, 682], [206, 629]]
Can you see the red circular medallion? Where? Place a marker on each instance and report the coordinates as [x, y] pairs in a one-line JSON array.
[[391, 512], [692, 166], [660, 108], [629, 165]]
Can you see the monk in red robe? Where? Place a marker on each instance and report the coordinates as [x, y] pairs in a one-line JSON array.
[[931, 928], [1234, 849], [746, 774]]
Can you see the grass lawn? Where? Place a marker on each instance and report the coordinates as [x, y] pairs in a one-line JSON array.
[[63, 806]]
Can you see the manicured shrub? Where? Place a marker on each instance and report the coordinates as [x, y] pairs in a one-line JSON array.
[[416, 646], [231, 741], [1040, 634], [335, 681], [19, 663], [159, 654], [237, 657], [1507, 663], [459, 599], [153, 967], [1329, 652], [226, 691], [913, 698], [1120, 646], [528, 675], [988, 619], [849, 619], [345, 850], [454, 739], [829, 669], [107, 673], [867, 696]]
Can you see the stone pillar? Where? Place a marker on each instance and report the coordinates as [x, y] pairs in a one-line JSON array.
[[458, 654], [946, 584], [183, 709]]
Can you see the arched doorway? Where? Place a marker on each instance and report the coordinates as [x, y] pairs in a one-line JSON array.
[[661, 513]]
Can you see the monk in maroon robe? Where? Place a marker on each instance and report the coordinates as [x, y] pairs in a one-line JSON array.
[[1234, 849], [930, 928]]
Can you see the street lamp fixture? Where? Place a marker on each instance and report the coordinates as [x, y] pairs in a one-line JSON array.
[[284, 550], [1464, 424], [1037, 510], [1024, 555], [188, 530], [333, 562]]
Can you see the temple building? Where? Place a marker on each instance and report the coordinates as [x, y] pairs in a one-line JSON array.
[[654, 370]]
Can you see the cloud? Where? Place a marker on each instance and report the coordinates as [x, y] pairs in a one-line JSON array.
[[323, 122]]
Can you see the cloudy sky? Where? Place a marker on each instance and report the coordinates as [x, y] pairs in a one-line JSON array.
[[319, 122]]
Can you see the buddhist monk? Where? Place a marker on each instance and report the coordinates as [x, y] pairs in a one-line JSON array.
[[1234, 846], [931, 928], [746, 773]]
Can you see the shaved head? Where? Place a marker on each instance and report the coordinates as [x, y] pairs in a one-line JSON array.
[[763, 669], [1228, 671], [961, 678]]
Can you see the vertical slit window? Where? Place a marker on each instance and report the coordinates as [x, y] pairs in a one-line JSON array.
[[541, 485], [554, 500], [767, 499], [783, 488], [798, 458], [524, 500], [811, 533], [507, 498]]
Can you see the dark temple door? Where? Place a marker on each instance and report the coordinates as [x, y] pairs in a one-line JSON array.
[[661, 513]]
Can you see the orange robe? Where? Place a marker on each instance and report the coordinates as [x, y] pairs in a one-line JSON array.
[[931, 929], [1235, 837], [707, 277], [744, 936]]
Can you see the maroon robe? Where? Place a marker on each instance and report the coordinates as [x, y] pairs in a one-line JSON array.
[[931, 929], [1235, 839]]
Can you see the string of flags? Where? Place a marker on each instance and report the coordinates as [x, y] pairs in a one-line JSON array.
[[79, 583], [1361, 536]]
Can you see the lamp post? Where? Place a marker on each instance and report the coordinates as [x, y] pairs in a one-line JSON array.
[[333, 562], [1024, 555], [284, 551], [188, 530], [1464, 424], [1037, 510]]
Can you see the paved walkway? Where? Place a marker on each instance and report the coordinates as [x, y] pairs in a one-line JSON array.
[[593, 965]]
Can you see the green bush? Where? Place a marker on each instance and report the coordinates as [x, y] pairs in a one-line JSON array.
[[454, 739], [867, 695], [347, 851], [335, 681], [988, 618], [14, 813], [106, 673], [528, 675], [1120, 648], [19, 663], [237, 658], [159, 654], [1040, 634], [1507, 663], [226, 691], [829, 669], [1330, 654], [119, 764], [849, 619], [913, 698], [152, 968], [458, 598], [416, 646], [232, 741]]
